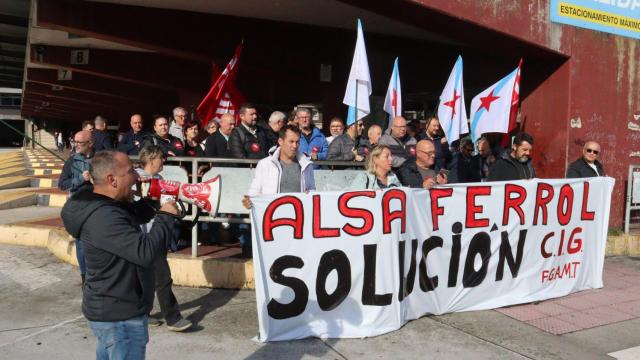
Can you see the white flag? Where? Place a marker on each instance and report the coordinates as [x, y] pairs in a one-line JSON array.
[[452, 111], [359, 84], [491, 108], [393, 100]]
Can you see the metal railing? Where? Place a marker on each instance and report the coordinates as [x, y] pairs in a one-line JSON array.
[[240, 166]]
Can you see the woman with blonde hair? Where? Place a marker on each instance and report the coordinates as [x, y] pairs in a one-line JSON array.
[[379, 175]]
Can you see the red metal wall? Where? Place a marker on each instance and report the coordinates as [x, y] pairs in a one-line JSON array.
[[597, 87]]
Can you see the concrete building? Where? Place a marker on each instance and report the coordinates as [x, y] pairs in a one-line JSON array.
[[118, 57]]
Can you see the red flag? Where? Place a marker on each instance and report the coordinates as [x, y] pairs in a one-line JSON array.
[[223, 97], [515, 100]]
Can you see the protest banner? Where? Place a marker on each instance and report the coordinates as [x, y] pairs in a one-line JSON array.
[[363, 263]]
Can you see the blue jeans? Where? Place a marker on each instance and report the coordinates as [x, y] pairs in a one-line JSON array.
[[121, 340], [80, 256]]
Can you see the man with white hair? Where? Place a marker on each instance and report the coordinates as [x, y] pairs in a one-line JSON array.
[[276, 122], [179, 117]]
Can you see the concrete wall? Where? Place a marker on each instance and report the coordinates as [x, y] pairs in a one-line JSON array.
[[598, 87]]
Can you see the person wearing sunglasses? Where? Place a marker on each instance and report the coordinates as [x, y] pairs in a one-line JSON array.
[[587, 165]]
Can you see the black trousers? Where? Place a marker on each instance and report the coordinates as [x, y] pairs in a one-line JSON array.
[[168, 304]]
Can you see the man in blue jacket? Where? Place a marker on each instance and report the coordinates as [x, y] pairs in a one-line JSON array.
[[312, 142], [118, 293]]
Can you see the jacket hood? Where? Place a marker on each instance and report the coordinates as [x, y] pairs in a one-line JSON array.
[[79, 207]]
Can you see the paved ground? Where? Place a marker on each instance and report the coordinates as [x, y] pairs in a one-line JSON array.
[[40, 318]]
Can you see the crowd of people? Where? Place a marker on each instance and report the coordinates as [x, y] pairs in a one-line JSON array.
[[122, 240]]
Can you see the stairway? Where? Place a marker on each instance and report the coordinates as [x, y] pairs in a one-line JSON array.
[[30, 177]]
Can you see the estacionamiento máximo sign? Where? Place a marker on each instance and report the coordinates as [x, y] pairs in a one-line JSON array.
[[620, 17], [363, 263]]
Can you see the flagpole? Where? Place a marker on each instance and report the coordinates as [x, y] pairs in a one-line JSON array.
[[355, 120]]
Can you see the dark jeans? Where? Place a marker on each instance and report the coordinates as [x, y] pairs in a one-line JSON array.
[[168, 304], [80, 256], [121, 339]]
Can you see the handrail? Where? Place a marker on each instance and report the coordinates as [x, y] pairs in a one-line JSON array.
[[197, 161]]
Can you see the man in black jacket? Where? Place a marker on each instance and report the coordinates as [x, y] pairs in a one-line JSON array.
[[133, 139], [514, 165], [462, 168], [588, 165], [101, 138], [248, 141], [418, 172], [118, 292], [218, 143], [171, 145]]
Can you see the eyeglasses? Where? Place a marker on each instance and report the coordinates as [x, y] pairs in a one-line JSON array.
[[81, 142], [428, 153], [181, 116], [360, 124], [595, 152]]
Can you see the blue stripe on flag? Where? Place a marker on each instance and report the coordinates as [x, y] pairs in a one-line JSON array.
[[455, 86], [351, 116], [497, 89]]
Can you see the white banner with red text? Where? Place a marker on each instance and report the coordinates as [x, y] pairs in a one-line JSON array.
[[363, 263]]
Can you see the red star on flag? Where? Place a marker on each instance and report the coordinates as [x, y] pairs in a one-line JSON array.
[[394, 102], [452, 103], [487, 100]]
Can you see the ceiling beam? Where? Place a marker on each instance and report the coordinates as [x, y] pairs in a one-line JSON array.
[[104, 87], [13, 40], [12, 63], [11, 84], [84, 97], [14, 20], [141, 68], [12, 54]]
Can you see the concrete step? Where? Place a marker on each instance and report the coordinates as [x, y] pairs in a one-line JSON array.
[[16, 198], [53, 197], [11, 164], [41, 171], [46, 164], [44, 181], [15, 182], [15, 171]]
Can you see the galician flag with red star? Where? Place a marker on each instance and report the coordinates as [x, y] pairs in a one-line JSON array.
[[491, 108], [452, 112], [393, 100], [359, 84]]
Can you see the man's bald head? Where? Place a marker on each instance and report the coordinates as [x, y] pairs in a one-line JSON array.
[[136, 123], [399, 127], [425, 153], [83, 135], [84, 142], [227, 123], [591, 151]]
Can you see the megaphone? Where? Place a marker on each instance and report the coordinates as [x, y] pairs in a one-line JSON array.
[[205, 195]]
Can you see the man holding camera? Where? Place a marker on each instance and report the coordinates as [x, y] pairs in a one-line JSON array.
[[118, 291]]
